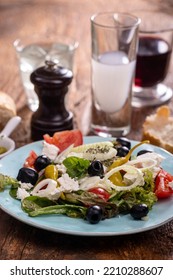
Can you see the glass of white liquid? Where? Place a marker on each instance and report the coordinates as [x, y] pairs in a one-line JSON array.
[[114, 48], [33, 51]]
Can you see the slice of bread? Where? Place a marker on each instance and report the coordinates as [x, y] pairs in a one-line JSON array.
[[158, 128], [7, 109]]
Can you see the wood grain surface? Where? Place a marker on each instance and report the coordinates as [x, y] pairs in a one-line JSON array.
[[70, 18]]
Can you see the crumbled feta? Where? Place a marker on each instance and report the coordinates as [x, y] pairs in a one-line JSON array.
[[22, 193], [89, 182], [26, 186], [158, 158], [130, 178], [50, 150], [61, 168], [68, 184], [150, 161], [155, 171]]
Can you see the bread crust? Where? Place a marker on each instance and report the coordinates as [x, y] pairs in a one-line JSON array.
[[158, 129], [7, 108]]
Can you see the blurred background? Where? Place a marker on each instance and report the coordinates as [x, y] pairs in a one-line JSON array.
[[59, 17]]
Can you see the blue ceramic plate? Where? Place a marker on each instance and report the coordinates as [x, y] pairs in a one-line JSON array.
[[161, 213]]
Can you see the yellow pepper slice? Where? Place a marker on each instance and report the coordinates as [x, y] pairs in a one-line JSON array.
[[51, 172], [117, 179], [123, 160]]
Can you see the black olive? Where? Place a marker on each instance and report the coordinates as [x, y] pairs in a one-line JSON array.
[[27, 175], [139, 211], [141, 152], [94, 214], [124, 142], [96, 168], [122, 151], [41, 162]]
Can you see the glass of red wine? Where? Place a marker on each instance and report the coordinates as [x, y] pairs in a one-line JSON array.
[[153, 60]]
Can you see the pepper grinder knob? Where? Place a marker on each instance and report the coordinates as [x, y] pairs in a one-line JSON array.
[[51, 85]]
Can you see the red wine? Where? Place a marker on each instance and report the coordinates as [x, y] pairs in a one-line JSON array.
[[152, 61]]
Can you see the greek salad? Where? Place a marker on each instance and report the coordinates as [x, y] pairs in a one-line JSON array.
[[90, 181]]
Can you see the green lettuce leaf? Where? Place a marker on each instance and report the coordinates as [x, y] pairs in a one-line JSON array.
[[33, 203], [126, 199], [76, 167], [69, 210], [7, 181], [88, 198]]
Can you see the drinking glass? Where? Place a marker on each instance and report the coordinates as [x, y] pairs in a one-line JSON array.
[[33, 51], [153, 59], [114, 39]]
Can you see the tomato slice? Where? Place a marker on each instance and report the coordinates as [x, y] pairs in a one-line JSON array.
[[162, 187], [100, 192], [47, 138], [63, 139], [29, 161]]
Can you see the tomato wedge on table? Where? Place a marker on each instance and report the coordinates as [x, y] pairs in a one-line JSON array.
[[163, 188], [63, 139]]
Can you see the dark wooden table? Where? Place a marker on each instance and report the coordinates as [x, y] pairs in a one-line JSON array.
[[69, 18]]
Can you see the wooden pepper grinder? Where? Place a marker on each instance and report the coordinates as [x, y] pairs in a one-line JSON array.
[[51, 85]]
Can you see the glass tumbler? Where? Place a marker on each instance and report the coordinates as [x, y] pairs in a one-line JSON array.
[[114, 39], [33, 51], [153, 59]]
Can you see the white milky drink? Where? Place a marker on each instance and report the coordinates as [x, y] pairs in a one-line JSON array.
[[112, 78]]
